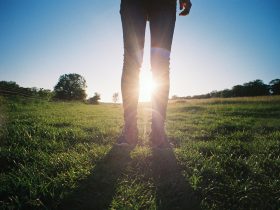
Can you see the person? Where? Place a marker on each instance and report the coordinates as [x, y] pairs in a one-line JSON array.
[[161, 15]]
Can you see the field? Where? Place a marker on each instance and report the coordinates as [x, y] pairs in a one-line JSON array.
[[60, 155]]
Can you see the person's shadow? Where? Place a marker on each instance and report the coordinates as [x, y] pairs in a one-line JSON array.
[[97, 191], [172, 189]]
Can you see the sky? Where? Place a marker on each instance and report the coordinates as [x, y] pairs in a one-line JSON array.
[[221, 43]]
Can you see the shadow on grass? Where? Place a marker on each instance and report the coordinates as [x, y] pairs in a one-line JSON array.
[[97, 191], [172, 189]]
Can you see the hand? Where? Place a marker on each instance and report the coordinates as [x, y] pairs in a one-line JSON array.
[[185, 5]]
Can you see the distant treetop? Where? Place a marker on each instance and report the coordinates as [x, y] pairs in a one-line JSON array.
[[70, 87]]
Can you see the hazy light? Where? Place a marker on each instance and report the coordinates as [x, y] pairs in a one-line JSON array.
[[147, 85]]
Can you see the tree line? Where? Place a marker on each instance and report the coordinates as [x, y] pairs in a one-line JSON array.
[[69, 87], [252, 88], [10, 88], [73, 87]]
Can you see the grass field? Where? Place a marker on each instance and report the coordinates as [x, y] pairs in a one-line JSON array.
[[57, 155]]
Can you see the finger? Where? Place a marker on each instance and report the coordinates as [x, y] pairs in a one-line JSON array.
[[184, 12]]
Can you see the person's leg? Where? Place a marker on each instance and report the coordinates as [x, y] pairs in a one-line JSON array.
[[162, 23], [134, 23]]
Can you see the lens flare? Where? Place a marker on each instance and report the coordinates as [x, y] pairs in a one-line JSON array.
[[147, 85]]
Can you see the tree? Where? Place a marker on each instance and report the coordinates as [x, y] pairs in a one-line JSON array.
[[13, 89], [256, 88], [226, 93], [95, 99], [238, 91], [70, 87], [275, 86], [115, 97], [9, 88], [45, 93], [174, 97]]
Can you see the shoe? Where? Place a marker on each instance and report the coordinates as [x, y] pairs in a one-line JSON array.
[[158, 140], [121, 142], [129, 137]]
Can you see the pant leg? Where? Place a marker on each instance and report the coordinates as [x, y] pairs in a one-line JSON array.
[[133, 16], [162, 23]]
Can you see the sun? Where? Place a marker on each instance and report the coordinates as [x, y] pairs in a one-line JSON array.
[[147, 85]]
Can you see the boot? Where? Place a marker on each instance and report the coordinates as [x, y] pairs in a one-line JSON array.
[[159, 106], [130, 94]]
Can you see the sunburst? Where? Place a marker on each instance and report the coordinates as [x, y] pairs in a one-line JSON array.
[[147, 85]]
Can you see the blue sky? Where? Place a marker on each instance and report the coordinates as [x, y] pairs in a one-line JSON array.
[[221, 44]]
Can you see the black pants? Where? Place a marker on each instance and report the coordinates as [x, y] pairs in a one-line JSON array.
[[134, 16]]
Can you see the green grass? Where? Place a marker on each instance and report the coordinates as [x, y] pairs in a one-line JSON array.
[[57, 155]]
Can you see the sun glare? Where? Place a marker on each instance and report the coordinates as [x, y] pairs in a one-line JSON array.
[[147, 85]]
